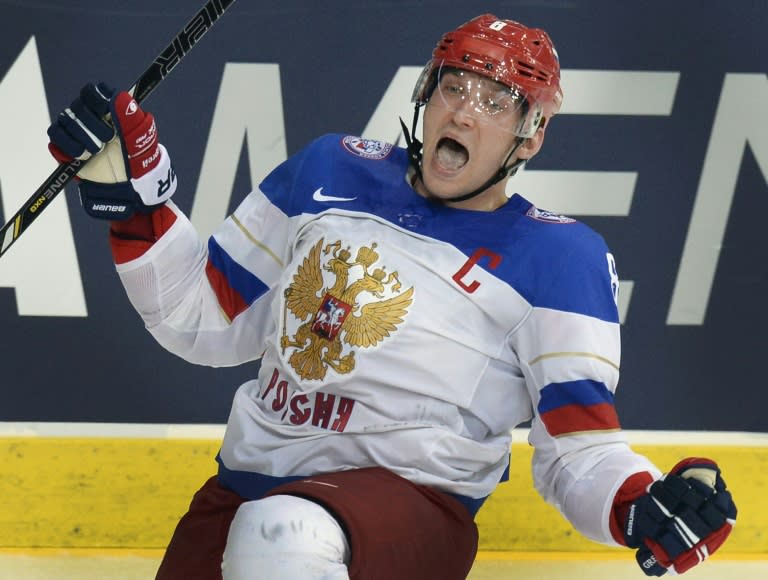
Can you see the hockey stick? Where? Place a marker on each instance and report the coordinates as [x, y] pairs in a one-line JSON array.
[[165, 62]]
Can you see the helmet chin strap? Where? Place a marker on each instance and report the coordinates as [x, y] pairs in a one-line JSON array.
[[414, 146]]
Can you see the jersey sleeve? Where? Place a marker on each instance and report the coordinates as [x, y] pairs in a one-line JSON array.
[[211, 302], [569, 352]]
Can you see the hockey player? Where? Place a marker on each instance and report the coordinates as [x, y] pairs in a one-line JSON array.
[[407, 314]]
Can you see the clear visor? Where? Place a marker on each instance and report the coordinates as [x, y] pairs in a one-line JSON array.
[[486, 100]]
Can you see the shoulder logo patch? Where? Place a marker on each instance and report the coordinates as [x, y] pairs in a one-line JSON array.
[[543, 215], [366, 148]]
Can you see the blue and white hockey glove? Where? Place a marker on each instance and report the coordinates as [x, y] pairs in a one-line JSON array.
[[130, 171], [681, 519]]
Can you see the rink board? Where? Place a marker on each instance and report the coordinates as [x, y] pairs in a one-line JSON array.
[[92, 486]]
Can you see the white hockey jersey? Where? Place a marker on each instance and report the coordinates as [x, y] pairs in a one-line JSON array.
[[397, 332]]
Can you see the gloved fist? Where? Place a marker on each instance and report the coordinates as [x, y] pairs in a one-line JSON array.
[[130, 170], [682, 519]]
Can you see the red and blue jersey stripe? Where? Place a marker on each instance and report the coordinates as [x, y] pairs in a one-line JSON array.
[[577, 406], [235, 287]]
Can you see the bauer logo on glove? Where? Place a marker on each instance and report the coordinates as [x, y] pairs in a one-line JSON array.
[[130, 170]]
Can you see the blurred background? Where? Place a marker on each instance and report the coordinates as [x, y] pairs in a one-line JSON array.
[[662, 146]]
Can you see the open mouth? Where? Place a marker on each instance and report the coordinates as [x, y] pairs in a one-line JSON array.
[[451, 154]]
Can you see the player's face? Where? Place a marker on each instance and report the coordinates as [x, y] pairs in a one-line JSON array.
[[470, 125]]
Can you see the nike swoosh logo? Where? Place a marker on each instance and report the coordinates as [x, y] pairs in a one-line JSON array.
[[318, 196]]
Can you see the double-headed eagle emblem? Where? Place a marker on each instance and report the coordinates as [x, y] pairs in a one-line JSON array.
[[331, 316]]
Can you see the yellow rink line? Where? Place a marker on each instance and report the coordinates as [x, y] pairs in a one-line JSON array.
[[120, 486], [482, 555], [596, 556]]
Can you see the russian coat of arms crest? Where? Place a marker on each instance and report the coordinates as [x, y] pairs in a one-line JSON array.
[[355, 305]]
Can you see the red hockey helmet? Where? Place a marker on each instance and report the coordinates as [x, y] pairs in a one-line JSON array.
[[505, 51]]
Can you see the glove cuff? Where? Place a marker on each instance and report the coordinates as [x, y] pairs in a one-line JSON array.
[[633, 487], [109, 201]]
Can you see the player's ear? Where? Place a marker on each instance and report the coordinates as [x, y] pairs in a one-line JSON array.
[[532, 145]]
